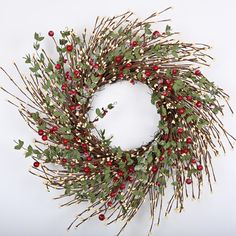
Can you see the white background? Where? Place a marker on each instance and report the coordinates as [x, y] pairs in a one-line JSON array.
[[26, 208]]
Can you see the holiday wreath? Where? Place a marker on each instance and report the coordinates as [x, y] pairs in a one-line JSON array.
[[70, 157]]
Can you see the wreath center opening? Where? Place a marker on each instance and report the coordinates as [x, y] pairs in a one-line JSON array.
[[124, 114]]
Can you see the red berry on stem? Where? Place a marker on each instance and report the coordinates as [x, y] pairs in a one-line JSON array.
[[87, 170], [193, 161], [174, 71], [72, 108], [89, 158], [154, 169], [130, 178], [128, 65], [54, 128], [148, 73], [58, 66], [64, 87], [109, 204], [155, 68], [189, 140], [64, 161], [44, 137], [200, 167], [109, 163], [188, 181], [122, 186], [131, 169], [118, 59], [69, 48], [36, 164], [181, 111], [134, 43], [189, 98], [180, 98], [120, 173], [198, 73], [40, 132], [161, 158], [180, 130], [51, 33], [156, 34], [198, 104], [65, 141], [101, 217], [112, 194], [121, 75]]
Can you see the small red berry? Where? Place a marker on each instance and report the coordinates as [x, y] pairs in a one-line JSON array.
[[200, 167], [109, 163], [40, 132], [174, 71], [161, 158], [189, 140], [68, 147], [84, 145], [198, 104], [54, 128], [188, 181], [134, 43], [189, 98], [130, 178], [64, 161], [64, 87], [58, 66], [193, 161], [180, 98], [112, 194], [198, 73], [109, 204], [120, 173], [131, 169], [122, 186], [69, 48], [65, 141], [51, 33], [115, 179], [44, 137], [101, 217], [128, 65], [118, 59], [72, 108], [148, 73], [155, 68], [180, 130], [89, 158], [36, 164], [165, 93], [121, 75], [87, 170], [154, 169], [181, 111], [156, 34]]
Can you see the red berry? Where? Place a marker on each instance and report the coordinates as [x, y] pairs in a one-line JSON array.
[[69, 48], [198, 104], [64, 161], [156, 34], [188, 181], [115, 179], [112, 194], [68, 147], [122, 186], [174, 71], [87, 170], [154, 169], [109, 204], [131, 169], [72, 108], [121, 75], [148, 73], [180, 98], [165, 93], [161, 158], [101, 217], [189, 98], [58, 66], [130, 178], [180, 130], [120, 173], [36, 164], [89, 158], [193, 161], [181, 111], [72, 164], [84, 145], [40, 132], [54, 128], [109, 163], [198, 73], [44, 137], [64, 87], [51, 33], [65, 141], [134, 43], [168, 82], [189, 140], [118, 59], [155, 68], [200, 167], [128, 65]]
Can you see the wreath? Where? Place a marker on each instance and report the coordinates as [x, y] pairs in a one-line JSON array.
[[69, 156]]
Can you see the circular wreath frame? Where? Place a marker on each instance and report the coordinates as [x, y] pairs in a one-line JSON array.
[[57, 98]]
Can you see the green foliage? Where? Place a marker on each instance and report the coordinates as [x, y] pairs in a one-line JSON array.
[[19, 144]]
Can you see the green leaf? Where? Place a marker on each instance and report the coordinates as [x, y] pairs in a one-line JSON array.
[[38, 37], [19, 145], [178, 85], [168, 30], [29, 151], [99, 113], [110, 106]]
